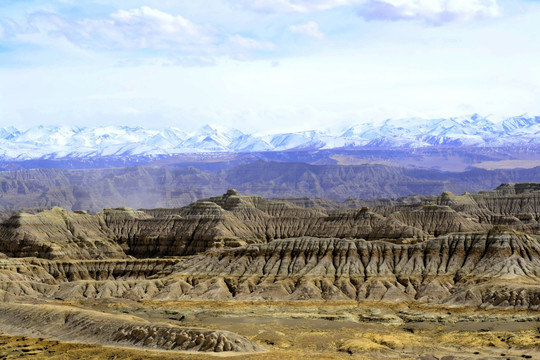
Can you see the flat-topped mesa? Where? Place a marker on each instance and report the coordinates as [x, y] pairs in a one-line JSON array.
[[233, 201], [232, 220], [515, 205]]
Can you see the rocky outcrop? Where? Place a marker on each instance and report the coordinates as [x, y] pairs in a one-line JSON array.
[[226, 221], [73, 324], [514, 205], [81, 279], [232, 220], [496, 268], [103, 270]]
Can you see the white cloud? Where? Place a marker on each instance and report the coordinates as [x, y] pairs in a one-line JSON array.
[[433, 11], [302, 6], [141, 28], [310, 29], [154, 23], [183, 41]]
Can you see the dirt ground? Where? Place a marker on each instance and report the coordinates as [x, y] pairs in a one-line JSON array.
[[312, 330]]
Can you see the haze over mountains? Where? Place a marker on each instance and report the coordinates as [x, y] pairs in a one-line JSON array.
[[73, 142], [169, 187]]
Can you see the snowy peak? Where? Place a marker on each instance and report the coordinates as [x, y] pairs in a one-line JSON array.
[[521, 122], [8, 132], [50, 142], [307, 140], [210, 138], [249, 143]]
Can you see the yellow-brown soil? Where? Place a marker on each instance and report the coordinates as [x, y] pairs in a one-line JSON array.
[[311, 330]]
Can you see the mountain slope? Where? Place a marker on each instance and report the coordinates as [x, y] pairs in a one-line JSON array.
[[61, 142], [150, 187]]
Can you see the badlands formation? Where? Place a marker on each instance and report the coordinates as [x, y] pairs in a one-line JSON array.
[[432, 277]]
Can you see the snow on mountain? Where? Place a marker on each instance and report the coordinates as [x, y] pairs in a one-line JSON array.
[[304, 140], [50, 142], [473, 130], [249, 143], [518, 123], [8, 132], [167, 139], [209, 138]]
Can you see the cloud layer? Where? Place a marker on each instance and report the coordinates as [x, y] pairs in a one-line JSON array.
[[149, 29], [139, 29], [302, 6], [433, 11]]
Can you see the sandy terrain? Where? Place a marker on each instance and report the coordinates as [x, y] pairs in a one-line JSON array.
[[318, 330]]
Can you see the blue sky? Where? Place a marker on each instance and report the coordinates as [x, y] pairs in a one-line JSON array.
[[265, 65]]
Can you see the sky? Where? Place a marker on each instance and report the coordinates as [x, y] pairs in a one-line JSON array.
[[265, 65]]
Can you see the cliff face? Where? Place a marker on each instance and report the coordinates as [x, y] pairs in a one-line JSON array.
[[514, 205], [449, 249], [228, 220]]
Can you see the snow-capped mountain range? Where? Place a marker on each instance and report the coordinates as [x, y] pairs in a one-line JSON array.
[[57, 142]]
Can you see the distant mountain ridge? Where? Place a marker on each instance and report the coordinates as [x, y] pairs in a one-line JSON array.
[[61, 142], [169, 187]]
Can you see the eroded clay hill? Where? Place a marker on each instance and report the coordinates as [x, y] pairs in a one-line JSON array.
[[476, 249], [499, 268], [234, 220], [227, 221]]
